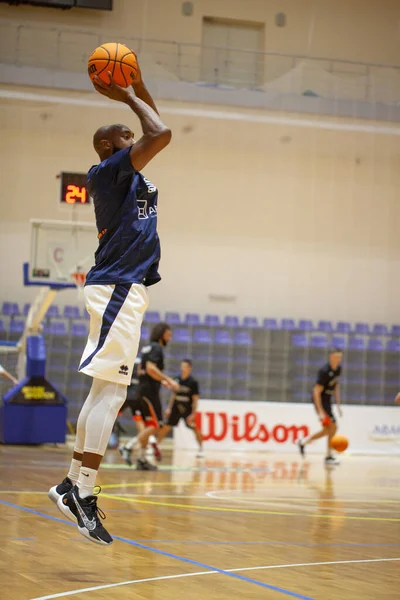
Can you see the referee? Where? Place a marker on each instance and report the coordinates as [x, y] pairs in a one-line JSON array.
[[325, 388]]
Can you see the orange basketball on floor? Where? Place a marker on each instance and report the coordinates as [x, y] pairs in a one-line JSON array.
[[117, 59], [339, 443]]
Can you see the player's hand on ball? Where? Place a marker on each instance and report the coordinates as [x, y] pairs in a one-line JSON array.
[[111, 90], [138, 78], [397, 399]]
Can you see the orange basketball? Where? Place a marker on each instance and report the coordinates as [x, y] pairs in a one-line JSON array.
[[339, 443], [117, 59]]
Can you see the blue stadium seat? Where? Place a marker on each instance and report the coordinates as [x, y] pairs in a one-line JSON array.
[[2, 328], [240, 372], [212, 321], [356, 344], [243, 338], [202, 336], [270, 324], [17, 326], [361, 328], [144, 333], [231, 321], [393, 346], [325, 326], [53, 311], [306, 325], [173, 318], [152, 316], [319, 341], [71, 312], [343, 327], [380, 329], [299, 340], [221, 370], [181, 335], [251, 322], [338, 342], [375, 345], [11, 309], [288, 324], [192, 319], [222, 337], [79, 329], [395, 330], [56, 328], [26, 308]]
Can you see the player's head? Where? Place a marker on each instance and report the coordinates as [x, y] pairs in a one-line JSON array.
[[109, 139], [161, 333], [335, 357], [186, 368]]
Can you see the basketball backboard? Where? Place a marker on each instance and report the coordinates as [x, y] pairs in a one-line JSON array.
[[59, 249]]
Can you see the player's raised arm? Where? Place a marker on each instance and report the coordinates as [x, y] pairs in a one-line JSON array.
[[141, 91], [156, 135]]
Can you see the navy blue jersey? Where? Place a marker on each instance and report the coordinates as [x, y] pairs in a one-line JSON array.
[[125, 205]]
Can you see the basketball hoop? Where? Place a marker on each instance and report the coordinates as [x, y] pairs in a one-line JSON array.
[[79, 279]]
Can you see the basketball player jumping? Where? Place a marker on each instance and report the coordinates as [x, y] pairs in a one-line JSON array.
[[326, 386], [126, 263]]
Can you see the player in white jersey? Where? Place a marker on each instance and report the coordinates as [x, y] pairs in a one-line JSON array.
[[126, 263]]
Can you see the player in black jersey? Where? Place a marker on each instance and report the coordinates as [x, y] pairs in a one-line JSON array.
[[135, 407], [183, 405], [148, 392], [326, 386]]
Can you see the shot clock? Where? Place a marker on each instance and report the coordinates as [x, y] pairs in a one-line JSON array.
[[73, 190]]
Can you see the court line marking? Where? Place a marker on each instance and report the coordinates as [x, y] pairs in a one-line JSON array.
[[249, 511], [200, 573], [261, 484], [295, 544], [270, 499], [170, 555]]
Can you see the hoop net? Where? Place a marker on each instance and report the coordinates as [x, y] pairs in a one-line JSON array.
[[79, 279]]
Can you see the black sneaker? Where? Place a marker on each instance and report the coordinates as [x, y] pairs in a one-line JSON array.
[[144, 465], [86, 513], [302, 448], [59, 490], [126, 454]]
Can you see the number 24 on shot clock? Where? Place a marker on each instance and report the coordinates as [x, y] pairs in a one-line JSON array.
[[73, 190]]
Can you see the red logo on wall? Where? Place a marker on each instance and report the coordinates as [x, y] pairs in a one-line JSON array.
[[219, 426]]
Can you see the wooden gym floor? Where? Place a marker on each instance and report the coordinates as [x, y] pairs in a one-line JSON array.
[[247, 525]]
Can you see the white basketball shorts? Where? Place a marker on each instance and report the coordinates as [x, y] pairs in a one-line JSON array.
[[116, 314]]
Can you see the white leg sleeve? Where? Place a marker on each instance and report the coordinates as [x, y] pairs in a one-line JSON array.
[[83, 415], [104, 401]]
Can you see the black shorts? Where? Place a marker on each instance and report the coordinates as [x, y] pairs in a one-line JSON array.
[[138, 408], [151, 409], [327, 406], [180, 411]]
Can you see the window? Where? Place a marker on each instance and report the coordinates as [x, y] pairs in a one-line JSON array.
[[231, 52]]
